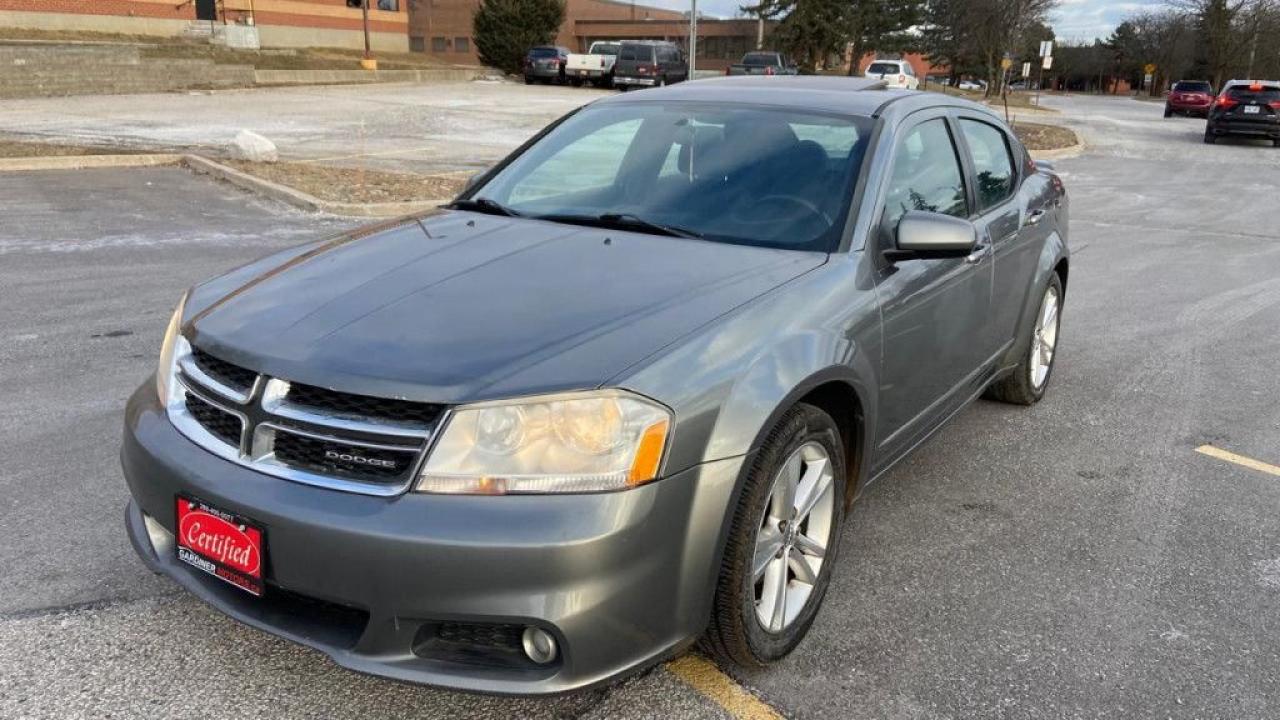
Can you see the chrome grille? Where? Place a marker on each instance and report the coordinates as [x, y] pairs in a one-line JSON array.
[[303, 433], [221, 424], [233, 376]]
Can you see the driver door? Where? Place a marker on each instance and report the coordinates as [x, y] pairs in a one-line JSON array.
[[934, 312]]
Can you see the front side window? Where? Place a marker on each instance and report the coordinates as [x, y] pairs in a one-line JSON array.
[[992, 162], [771, 177], [926, 174]]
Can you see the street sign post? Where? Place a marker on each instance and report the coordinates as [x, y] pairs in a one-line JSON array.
[[1046, 52]]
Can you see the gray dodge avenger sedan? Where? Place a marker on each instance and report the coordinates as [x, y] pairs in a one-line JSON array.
[[618, 397]]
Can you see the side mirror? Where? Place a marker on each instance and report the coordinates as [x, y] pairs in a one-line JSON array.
[[927, 235]]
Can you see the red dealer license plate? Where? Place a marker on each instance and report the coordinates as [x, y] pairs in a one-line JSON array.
[[223, 544]]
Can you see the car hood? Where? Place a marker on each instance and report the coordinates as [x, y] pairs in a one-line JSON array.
[[462, 306]]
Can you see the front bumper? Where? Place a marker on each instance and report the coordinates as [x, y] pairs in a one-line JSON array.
[[619, 579]]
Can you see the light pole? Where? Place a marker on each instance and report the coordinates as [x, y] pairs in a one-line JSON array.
[[693, 37]]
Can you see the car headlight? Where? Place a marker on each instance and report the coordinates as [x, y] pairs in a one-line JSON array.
[[572, 443], [170, 352]]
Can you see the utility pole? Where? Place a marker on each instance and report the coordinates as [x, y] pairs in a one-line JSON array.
[[693, 37], [367, 62]]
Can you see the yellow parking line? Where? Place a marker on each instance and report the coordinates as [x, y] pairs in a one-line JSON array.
[[1241, 460], [700, 674]]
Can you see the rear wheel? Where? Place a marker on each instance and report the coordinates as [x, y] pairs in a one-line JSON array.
[[1027, 383], [1209, 137], [1168, 112], [782, 542]]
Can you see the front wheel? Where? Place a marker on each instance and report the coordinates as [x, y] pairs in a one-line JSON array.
[[782, 542], [1027, 383], [1209, 138], [1168, 112]]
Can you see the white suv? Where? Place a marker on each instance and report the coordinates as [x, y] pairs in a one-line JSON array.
[[897, 73]]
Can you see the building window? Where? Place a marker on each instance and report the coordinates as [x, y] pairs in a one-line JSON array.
[[439, 44], [461, 44], [392, 5], [417, 43]]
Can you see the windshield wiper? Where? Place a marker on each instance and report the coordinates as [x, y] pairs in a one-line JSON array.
[[624, 221], [484, 205]]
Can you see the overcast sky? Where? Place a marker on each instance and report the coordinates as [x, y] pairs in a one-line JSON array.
[[1074, 19]]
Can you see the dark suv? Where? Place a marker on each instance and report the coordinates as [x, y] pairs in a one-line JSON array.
[[1246, 107], [1190, 97], [649, 63], [545, 63]]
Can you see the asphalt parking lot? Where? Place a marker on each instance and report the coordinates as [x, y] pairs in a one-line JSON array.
[[1074, 559], [397, 127]]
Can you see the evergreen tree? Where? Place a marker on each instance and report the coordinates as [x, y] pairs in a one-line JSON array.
[[504, 30]]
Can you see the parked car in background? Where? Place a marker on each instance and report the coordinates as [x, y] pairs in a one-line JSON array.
[[546, 64], [1247, 108], [649, 63], [763, 62], [595, 66], [1189, 97], [617, 397], [973, 85], [896, 73]]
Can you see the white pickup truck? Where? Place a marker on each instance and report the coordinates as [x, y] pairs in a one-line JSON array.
[[595, 67]]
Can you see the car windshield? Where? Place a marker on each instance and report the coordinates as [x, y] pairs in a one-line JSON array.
[[1191, 87], [758, 59], [883, 69], [643, 53], [747, 175], [610, 49], [543, 52]]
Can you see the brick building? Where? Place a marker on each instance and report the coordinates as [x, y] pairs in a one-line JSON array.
[[280, 23], [442, 28]]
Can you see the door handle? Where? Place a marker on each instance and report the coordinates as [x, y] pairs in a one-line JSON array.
[[978, 253], [1035, 217]]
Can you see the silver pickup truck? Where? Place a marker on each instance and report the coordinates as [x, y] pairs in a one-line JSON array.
[[764, 62]]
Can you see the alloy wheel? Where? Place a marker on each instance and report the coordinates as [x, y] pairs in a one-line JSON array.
[[791, 544], [1045, 338]]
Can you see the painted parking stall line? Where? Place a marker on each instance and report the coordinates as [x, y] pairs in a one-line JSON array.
[[702, 675], [1241, 460]]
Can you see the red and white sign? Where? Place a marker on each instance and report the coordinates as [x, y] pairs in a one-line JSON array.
[[220, 543]]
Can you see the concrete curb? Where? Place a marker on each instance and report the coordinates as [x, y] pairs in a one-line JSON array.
[[1061, 153], [80, 162], [217, 170], [302, 200]]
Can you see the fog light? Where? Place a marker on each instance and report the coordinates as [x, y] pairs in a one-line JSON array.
[[539, 645], [161, 539]]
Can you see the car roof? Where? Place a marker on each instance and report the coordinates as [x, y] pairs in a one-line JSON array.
[[822, 93], [647, 42]]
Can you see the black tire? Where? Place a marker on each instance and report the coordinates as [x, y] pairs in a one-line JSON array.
[[576, 82], [1209, 138], [735, 634], [1018, 387], [1168, 112], [528, 80]]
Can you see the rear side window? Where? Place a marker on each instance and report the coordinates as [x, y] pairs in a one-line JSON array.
[[926, 174], [992, 162], [1189, 87]]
